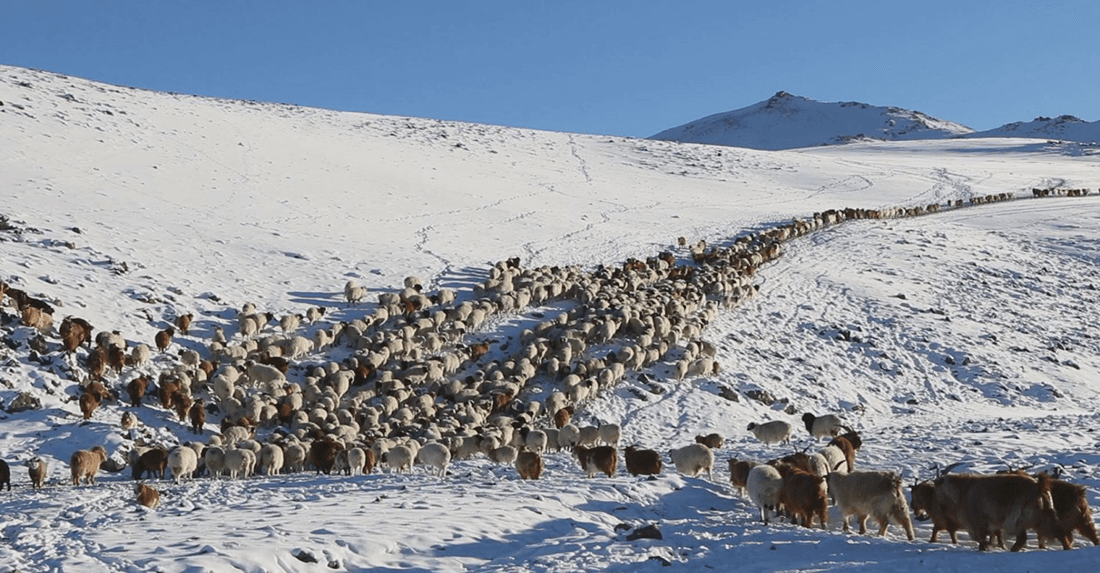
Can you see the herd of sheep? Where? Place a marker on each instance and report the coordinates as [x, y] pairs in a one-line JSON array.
[[416, 386]]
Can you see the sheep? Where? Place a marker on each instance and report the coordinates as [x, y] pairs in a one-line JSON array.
[[314, 313], [642, 462], [240, 462], [400, 458], [88, 401], [597, 459], [183, 461], [827, 426], [271, 459], [503, 455], [5, 475], [36, 468], [712, 441], [739, 473], [150, 462], [802, 494], [610, 434], [140, 354], [435, 455], [290, 323], [354, 293], [763, 485], [84, 464], [529, 465], [875, 494], [214, 456], [163, 338], [147, 496], [588, 436], [536, 440], [568, 436], [692, 459], [774, 432]]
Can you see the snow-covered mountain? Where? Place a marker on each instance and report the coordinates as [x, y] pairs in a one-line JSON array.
[[971, 336], [786, 121], [1063, 127]]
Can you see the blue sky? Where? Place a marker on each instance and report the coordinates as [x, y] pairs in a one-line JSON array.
[[629, 68]]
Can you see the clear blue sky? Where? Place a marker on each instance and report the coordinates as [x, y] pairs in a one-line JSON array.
[[607, 67]]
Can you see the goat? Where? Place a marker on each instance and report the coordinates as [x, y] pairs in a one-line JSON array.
[[802, 494], [712, 441], [147, 496], [739, 473], [163, 338], [529, 465], [36, 468], [598, 459], [84, 464], [875, 494], [642, 462], [152, 461]]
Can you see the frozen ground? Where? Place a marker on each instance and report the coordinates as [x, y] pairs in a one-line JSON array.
[[968, 336]]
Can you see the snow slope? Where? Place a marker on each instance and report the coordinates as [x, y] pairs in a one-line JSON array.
[[968, 336], [1063, 127], [786, 121]]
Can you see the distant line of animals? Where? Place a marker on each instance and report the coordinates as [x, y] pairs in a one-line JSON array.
[[399, 398]]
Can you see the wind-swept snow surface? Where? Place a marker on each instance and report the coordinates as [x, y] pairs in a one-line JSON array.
[[966, 336]]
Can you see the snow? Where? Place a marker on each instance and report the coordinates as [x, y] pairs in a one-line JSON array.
[[1063, 127], [967, 336]]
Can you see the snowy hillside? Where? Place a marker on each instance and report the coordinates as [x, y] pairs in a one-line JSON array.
[[786, 121], [1063, 127], [969, 336]]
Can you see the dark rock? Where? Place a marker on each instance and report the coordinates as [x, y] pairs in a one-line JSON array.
[[648, 532], [23, 402]]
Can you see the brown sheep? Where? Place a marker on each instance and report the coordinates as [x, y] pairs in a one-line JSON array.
[[803, 495], [642, 462], [147, 496], [598, 459], [739, 473], [151, 462], [197, 415], [84, 464], [164, 338], [183, 322], [529, 464], [136, 388], [712, 441]]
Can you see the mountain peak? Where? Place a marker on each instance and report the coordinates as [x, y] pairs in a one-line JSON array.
[[786, 121]]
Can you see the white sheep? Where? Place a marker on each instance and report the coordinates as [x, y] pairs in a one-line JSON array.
[[354, 293], [271, 459], [356, 459], [294, 457], [400, 458], [827, 426], [568, 436], [610, 434], [763, 485], [182, 461], [692, 459], [435, 455], [140, 354], [215, 458], [504, 455], [240, 462], [774, 432], [536, 441], [589, 436]]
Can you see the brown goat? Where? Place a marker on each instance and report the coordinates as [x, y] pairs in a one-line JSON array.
[[322, 454], [1074, 513], [84, 464], [803, 496], [147, 496], [152, 463], [598, 459], [925, 507], [369, 461], [642, 462], [37, 318], [563, 416], [166, 391], [183, 322], [197, 415], [129, 421], [712, 441], [529, 464], [1009, 503], [739, 473], [97, 364], [181, 401], [89, 401], [164, 338], [74, 332], [847, 448], [136, 389]]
